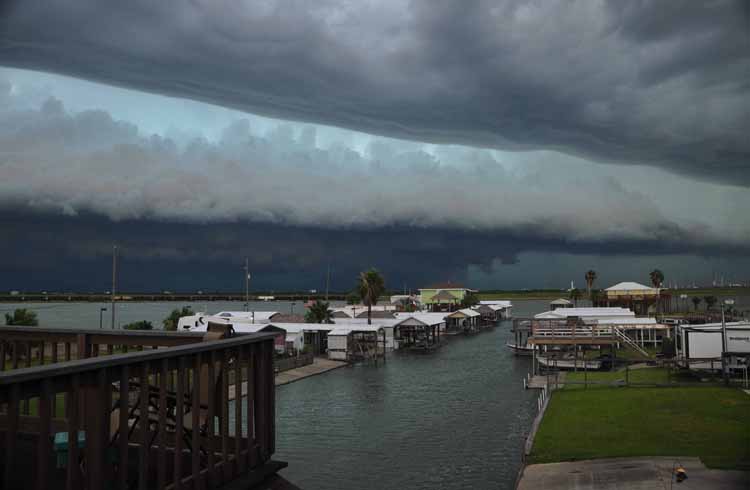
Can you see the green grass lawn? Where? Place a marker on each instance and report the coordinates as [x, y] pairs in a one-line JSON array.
[[625, 353], [712, 423], [646, 375]]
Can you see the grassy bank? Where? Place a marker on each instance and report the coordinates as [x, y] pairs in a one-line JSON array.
[[654, 376], [708, 422]]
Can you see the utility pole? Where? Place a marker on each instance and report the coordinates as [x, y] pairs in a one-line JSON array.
[[328, 280], [724, 367], [247, 286], [114, 282]]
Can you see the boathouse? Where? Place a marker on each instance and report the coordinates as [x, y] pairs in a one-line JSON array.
[[419, 331], [490, 314], [505, 307], [593, 313], [560, 303], [356, 342], [465, 320]]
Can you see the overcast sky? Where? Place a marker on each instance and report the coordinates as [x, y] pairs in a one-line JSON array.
[[508, 144]]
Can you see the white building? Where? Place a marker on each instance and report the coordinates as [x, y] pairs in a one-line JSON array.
[[585, 313]]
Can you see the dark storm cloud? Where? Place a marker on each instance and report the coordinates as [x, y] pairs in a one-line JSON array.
[[88, 162], [661, 83], [49, 251]]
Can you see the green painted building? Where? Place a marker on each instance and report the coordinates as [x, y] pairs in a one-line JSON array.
[[444, 296]]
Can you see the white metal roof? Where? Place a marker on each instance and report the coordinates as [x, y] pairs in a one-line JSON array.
[[308, 327], [585, 312], [627, 321], [430, 319], [247, 316], [497, 302], [434, 315], [630, 286], [561, 301], [466, 312], [238, 327], [383, 322], [347, 329]]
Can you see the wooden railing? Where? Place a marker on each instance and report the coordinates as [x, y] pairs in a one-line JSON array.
[[562, 328], [285, 364], [156, 418]]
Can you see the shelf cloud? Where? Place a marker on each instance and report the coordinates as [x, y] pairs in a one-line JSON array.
[[60, 162], [663, 84]]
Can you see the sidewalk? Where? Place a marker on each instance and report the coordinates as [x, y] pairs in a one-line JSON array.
[[319, 366], [629, 474]]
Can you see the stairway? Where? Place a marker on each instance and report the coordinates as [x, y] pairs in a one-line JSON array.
[[629, 342]]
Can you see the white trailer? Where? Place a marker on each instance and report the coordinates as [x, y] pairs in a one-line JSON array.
[[700, 346]]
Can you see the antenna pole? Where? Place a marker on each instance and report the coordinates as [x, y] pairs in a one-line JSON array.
[[247, 286], [114, 282]]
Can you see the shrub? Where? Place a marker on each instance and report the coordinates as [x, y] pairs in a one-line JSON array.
[[22, 317], [141, 325]]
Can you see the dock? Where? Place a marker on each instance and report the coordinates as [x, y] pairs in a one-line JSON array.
[[319, 366]]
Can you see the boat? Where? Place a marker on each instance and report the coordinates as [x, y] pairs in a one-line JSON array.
[[520, 350], [566, 364]]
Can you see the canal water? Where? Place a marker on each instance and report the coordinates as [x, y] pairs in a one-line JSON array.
[[453, 419]]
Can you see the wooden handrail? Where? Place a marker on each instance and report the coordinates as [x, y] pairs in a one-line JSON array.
[[144, 418], [68, 368]]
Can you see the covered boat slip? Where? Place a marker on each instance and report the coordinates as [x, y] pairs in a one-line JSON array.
[[419, 332], [465, 320], [502, 307], [356, 343], [490, 314], [557, 342]]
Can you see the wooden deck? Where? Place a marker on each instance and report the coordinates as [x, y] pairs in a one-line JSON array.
[[89, 409], [571, 341]]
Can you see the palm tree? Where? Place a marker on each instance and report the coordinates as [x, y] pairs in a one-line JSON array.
[[657, 278], [696, 301], [575, 295], [370, 286], [319, 312], [710, 301], [590, 278]]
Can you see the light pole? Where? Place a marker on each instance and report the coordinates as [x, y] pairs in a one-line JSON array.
[[247, 286], [724, 370], [101, 312], [683, 297], [114, 282]]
